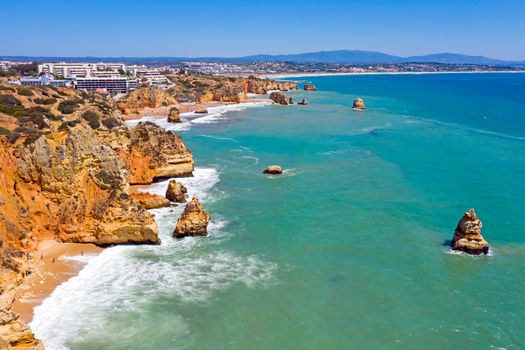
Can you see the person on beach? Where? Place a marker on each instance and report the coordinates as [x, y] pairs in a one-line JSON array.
[[53, 260]]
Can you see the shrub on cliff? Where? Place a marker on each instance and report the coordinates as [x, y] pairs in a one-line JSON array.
[[111, 123], [10, 100], [68, 124], [67, 106], [45, 101], [25, 91], [7, 88], [92, 118], [4, 131]]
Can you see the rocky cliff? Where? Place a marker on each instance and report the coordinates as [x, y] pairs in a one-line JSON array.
[[262, 86], [67, 163], [145, 97]]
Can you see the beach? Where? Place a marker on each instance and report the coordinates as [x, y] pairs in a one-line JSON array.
[[52, 264]]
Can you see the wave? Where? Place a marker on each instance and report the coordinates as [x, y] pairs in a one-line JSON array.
[[465, 128], [125, 279], [214, 115]]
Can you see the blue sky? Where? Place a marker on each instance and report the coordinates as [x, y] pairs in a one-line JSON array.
[[233, 28]]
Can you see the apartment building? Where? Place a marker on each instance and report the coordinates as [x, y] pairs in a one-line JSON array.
[[82, 70]]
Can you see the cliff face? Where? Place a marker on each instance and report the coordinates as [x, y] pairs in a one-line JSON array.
[[150, 152], [262, 86], [64, 175], [145, 97]]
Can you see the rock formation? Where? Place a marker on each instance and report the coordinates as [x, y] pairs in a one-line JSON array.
[[150, 152], [310, 87], [176, 192], [193, 221], [201, 111], [278, 97], [273, 170], [150, 97], [149, 200], [174, 115], [467, 237], [359, 104], [303, 102], [262, 86]]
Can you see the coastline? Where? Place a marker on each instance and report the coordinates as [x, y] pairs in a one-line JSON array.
[[301, 75], [53, 263]]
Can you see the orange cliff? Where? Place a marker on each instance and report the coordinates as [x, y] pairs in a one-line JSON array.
[[68, 161]]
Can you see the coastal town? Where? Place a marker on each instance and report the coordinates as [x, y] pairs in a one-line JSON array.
[[120, 78]]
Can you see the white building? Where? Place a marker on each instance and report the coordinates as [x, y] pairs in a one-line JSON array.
[[82, 70]]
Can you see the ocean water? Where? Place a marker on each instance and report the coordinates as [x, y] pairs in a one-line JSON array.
[[346, 250]]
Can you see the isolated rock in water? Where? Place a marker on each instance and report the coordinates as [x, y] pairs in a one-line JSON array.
[[359, 104], [176, 192], [310, 87], [273, 170], [201, 111], [149, 200], [278, 97], [174, 116], [290, 101], [467, 237], [303, 102], [193, 221]]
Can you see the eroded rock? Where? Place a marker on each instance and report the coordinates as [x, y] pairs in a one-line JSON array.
[[273, 170], [467, 237], [359, 104], [193, 221], [278, 97], [176, 192]]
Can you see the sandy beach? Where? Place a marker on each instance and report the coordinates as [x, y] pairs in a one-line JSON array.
[[51, 265]]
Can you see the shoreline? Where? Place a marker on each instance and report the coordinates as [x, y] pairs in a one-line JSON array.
[[53, 263], [327, 74]]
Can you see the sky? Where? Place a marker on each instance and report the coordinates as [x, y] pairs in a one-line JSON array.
[[493, 28]]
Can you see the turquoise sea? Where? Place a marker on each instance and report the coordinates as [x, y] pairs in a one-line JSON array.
[[346, 250]]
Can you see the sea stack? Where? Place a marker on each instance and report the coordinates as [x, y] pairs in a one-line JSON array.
[[176, 192], [174, 115], [278, 97], [273, 170], [193, 221], [310, 87], [359, 104], [467, 237]]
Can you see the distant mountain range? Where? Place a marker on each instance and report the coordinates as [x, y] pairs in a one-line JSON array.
[[328, 57]]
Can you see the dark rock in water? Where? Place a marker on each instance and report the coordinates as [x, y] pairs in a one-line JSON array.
[[359, 105], [467, 237], [176, 192], [303, 102], [273, 170], [193, 221], [201, 111], [310, 87], [278, 97], [290, 101]]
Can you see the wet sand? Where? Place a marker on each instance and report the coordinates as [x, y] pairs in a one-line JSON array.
[[51, 267]]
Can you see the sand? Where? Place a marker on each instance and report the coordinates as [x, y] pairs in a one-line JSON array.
[[50, 268]]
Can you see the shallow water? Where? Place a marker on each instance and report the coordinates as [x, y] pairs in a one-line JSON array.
[[348, 248]]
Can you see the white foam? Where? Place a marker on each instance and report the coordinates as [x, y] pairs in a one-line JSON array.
[[214, 115], [125, 278]]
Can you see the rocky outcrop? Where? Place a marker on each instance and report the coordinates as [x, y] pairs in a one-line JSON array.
[[279, 98], [262, 86], [174, 115], [359, 104], [149, 200], [14, 333], [273, 170], [193, 221], [467, 237], [176, 192], [149, 152], [145, 97], [303, 102], [310, 87], [81, 187]]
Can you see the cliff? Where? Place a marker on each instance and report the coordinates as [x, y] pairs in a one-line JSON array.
[[145, 97], [67, 163], [262, 86]]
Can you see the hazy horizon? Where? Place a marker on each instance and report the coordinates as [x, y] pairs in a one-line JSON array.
[[161, 28]]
